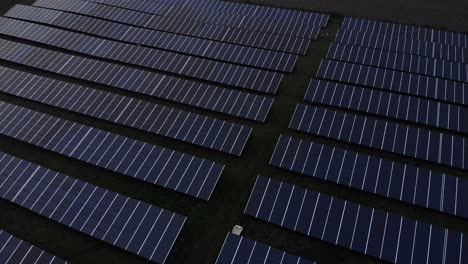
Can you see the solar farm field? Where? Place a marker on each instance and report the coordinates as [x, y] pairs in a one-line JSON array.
[[144, 131]]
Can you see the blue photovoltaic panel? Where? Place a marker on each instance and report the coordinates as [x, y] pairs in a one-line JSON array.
[[185, 126], [242, 250], [219, 33], [278, 26], [261, 58], [129, 224], [231, 9], [411, 184], [156, 165], [249, 10], [389, 104], [363, 229], [404, 45], [14, 250], [405, 31], [397, 81], [162, 86], [441, 148], [209, 70], [399, 61]]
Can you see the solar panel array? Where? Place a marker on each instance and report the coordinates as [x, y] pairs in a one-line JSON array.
[[129, 224], [140, 81], [139, 65], [14, 250], [408, 183], [399, 61], [395, 81], [404, 45], [384, 89], [364, 229], [200, 30], [393, 105], [266, 59], [399, 100], [399, 92], [218, 72], [247, 10], [389, 136], [405, 31], [185, 126], [167, 168], [239, 249], [206, 14]]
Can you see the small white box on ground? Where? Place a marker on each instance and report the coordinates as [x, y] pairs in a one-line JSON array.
[[237, 230]]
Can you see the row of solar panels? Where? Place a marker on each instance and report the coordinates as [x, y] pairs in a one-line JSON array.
[[354, 226], [242, 250], [434, 53], [238, 54], [388, 98], [161, 120], [129, 224], [395, 81], [399, 61], [397, 106], [287, 18], [235, 250], [150, 163], [244, 55], [405, 31], [14, 251], [231, 35], [281, 23], [150, 231], [400, 113], [408, 183], [139, 81], [377, 133], [170, 62], [403, 45], [248, 10]]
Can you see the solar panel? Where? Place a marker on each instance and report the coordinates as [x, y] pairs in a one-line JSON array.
[[14, 250], [266, 59], [363, 229], [153, 164], [278, 26], [404, 45], [249, 10], [185, 126], [397, 81], [162, 86], [399, 61], [129, 224], [414, 32], [389, 104], [242, 250], [384, 135], [400, 181], [218, 72], [190, 28]]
